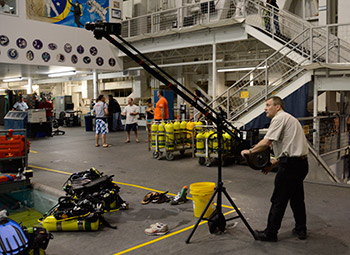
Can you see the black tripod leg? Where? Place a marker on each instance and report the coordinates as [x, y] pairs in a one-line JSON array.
[[202, 215], [239, 213]]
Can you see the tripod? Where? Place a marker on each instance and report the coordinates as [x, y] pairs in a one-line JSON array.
[[219, 191], [105, 30]]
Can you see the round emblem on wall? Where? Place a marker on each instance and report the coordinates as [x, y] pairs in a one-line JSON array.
[[80, 49], [60, 58], [99, 61], [37, 44], [67, 48], [46, 56], [4, 40], [93, 51], [111, 62], [30, 55], [12, 54], [21, 43], [74, 59], [87, 60], [52, 46]]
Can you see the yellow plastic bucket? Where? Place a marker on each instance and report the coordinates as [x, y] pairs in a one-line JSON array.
[[201, 193]]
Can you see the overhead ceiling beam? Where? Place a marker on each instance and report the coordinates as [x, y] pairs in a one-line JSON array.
[[88, 77]]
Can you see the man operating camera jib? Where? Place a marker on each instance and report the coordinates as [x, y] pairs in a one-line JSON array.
[[290, 148]]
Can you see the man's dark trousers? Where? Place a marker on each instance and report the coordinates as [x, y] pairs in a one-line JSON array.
[[288, 187]]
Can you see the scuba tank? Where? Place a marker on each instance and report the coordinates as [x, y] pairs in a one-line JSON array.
[[198, 123], [207, 137], [154, 129], [51, 224], [177, 133], [169, 137], [183, 125], [161, 136], [227, 142], [200, 143], [190, 126]]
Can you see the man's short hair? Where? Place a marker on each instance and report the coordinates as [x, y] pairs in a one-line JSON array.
[[198, 93], [161, 92], [131, 98], [100, 98], [110, 96], [277, 101]]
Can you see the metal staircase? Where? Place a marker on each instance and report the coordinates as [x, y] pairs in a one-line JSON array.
[[297, 45]]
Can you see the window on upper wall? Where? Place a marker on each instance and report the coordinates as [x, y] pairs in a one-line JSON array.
[[8, 7]]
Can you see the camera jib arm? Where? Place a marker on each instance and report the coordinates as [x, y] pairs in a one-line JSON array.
[[105, 30]]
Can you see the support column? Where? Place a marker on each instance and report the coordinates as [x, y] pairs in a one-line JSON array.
[[214, 85], [179, 78], [95, 84], [30, 86], [316, 122], [324, 12]]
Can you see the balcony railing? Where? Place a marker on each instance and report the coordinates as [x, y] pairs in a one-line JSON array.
[[186, 18]]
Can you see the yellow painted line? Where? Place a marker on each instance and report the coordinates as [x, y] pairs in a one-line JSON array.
[[145, 188], [33, 151], [120, 183], [51, 170], [163, 237], [141, 187]]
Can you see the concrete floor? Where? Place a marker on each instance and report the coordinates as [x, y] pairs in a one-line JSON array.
[[328, 209]]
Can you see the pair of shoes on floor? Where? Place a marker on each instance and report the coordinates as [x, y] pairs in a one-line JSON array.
[[302, 235], [155, 197], [179, 199], [157, 229]]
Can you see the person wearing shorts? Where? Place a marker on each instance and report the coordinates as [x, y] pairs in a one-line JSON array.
[[131, 112], [101, 111]]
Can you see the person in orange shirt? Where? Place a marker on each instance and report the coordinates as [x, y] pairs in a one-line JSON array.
[[161, 112]]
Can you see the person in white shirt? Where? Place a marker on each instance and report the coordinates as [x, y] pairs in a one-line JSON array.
[[290, 148], [20, 105], [132, 114], [4, 8]]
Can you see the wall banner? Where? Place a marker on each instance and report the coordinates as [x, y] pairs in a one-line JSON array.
[[68, 12]]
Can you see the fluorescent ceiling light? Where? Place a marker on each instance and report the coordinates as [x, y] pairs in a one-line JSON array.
[[241, 69], [13, 79], [62, 74]]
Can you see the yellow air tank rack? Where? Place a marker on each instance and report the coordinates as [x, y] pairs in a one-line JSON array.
[[207, 145], [170, 137]]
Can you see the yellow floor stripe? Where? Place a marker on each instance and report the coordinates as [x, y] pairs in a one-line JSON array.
[[163, 237], [145, 188], [141, 187], [120, 183], [33, 151], [51, 170]]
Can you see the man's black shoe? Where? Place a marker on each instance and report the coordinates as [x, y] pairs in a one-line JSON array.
[[300, 233], [262, 236]]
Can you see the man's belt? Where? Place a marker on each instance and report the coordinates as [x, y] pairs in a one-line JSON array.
[[291, 159]]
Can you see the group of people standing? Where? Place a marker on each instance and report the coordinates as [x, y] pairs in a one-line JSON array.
[[45, 104], [110, 115]]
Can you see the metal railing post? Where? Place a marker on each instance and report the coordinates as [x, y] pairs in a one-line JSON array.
[[327, 44], [338, 49], [129, 28], [311, 45], [228, 105], [266, 80], [208, 17]]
